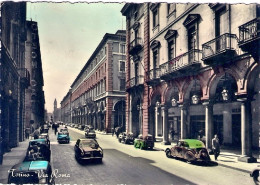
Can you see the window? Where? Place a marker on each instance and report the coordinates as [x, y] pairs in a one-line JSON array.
[[122, 66], [171, 8], [122, 48], [192, 38], [221, 23], [155, 46], [171, 49], [155, 17], [122, 84]]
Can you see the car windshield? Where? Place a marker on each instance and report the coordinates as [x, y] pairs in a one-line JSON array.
[[88, 143]]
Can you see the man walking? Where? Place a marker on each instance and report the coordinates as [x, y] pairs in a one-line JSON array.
[[216, 146]]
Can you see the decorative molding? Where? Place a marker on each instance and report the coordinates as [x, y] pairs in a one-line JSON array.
[[155, 44], [191, 18], [169, 34]]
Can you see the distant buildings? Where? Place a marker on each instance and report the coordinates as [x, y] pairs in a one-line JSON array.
[[16, 76], [194, 68], [56, 112], [97, 95]]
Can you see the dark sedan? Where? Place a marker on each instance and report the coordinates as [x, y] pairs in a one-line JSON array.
[[88, 149], [189, 149], [38, 149]]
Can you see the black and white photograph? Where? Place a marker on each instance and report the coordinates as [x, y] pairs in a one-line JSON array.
[[130, 92]]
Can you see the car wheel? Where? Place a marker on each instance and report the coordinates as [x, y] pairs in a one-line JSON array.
[[135, 145], [256, 177], [168, 153]]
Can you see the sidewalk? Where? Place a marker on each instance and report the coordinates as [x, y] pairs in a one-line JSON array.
[[228, 157], [16, 155]]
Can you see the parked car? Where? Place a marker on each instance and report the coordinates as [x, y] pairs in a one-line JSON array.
[[46, 137], [38, 149], [80, 127], [31, 172], [63, 136], [255, 175], [127, 138], [76, 126], [90, 134], [88, 149], [88, 127], [189, 149], [146, 142]]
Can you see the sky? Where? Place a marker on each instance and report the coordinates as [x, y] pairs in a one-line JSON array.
[[69, 33]]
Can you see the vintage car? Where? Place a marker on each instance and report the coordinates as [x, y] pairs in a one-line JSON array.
[[38, 149], [31, 172], [189, 149], [255, 174], [88, 149], [146, 142], [90, 134], [127, 138], [46, 137], [63, 136], [88, 127]]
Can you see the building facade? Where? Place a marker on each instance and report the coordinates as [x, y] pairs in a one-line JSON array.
[[14, 77], [97, 95], [35, 99], [56, 112], [193, 69]]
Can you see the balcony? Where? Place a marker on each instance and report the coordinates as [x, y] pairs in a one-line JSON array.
[[249, 34], [220, 50], [154, 76], [25, 76], [182, 65], [135, 82], [135, 46]]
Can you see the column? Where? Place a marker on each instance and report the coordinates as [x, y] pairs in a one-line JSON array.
[[246, 132], [164, 110], [183, 121], [208, 123], [156, 121]]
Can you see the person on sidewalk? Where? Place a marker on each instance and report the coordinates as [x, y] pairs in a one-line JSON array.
[[216, 146], [27, 133], [36, 134], [55, 129]]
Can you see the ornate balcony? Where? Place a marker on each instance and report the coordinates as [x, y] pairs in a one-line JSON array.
[[182, 65], [219, 50], [25, 76], [135, 46], [249, 34], [135, 82], [154, 76]]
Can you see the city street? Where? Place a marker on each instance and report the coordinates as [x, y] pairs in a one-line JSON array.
[[123, 164]]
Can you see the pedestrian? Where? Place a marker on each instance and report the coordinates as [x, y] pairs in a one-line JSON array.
[[172, 133], [113, 131], [216, 146], [55, 129], [27, 133]]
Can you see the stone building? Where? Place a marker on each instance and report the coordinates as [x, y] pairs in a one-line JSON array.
[[14, 77], [97, 95], [194, 69], [35, 99]]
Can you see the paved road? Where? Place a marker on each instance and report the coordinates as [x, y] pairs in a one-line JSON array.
[[123, 164], [116, 168]]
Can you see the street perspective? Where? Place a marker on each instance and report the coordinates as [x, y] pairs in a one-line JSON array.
[[129, 93]]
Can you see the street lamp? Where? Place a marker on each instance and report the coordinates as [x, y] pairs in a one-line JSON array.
[[225, 95], [174, 102], [195, 99]]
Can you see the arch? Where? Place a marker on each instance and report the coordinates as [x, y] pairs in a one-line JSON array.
[[250, 77], [154, 96], [171, 91], [214, 80], [187, 88]]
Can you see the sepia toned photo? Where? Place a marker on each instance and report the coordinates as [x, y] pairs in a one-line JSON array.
[[129, 93]]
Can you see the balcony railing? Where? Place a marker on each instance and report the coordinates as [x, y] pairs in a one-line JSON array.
[[135, 81], [181, 62], [135, 45], [221, 44], [154, 73], [249, 31], [25, 76]]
